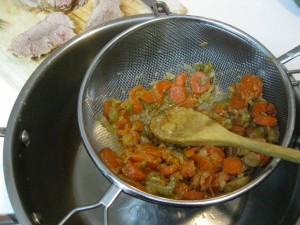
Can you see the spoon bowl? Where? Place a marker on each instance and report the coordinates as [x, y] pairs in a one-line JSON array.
[[188, 127]]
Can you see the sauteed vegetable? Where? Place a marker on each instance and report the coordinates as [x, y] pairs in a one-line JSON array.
[[188, 173]]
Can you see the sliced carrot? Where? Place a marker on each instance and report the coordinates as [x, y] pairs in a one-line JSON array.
[[217, 162], [180, 79], [170, 169], [263, 120], [178, 94], [193, 195], [140, 92], [264, 114], [205, 112], [160, 88], [135, 92], [265, 108], [252, 86], [238, 129], [200, 82], [188, 168], [233, 165], [122, 132], [147, 96], [137, 106], [190, 102], [216, 156], [138, 125], [145, 154], [220, 181], [238, 99], [148, 160], [181, 188], [133, 172], [137, 184], [218, 109], [212, 150], [131, 138], [264, 159], [106, 107], [190, 152], [123, 120], [110, 159], [203, 163], [150, 150]]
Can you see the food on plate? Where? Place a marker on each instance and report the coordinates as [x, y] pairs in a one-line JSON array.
[[53, 5], [104, 10], [56, 29], [41, 39], [188, 173]]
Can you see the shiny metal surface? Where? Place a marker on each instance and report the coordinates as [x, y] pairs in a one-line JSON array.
[[262, 206], [146, 51], [289, 55], [2, 131], [55, 174], [149, 2], [106, 200]]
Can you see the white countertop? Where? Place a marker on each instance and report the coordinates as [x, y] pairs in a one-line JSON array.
[[274, 23]]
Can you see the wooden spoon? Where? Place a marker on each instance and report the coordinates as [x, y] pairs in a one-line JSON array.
[[191, 128]]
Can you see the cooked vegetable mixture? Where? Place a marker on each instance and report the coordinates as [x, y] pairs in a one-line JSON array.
[[195, 172]]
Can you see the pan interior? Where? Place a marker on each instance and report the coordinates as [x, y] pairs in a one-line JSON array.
[[146, 52]]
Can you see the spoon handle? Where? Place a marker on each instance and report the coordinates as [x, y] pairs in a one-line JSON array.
[[276, 151]]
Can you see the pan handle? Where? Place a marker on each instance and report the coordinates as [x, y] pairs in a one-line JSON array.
[[290, 73], [2, 131], [7, 219], [295, 52], [107, 199]]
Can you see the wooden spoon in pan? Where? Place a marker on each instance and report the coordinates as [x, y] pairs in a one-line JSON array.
[[191, 128]]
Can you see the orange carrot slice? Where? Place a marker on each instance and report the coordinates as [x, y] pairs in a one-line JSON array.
[[160, 88], [252, 86], [178, 94], [110, 159], [200, 82], [203, 163], [238, 99], [133, 172], [264, 114], [233, 165], [193, 195], [180, 79]]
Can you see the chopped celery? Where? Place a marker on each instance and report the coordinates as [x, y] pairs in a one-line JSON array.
[[169, 76], [236, 184], [251, 159], [244, 117], [273, 134], [203, 44], [242, 151], [204, 67], [113, 113], [222, 103], [258, 132], [156, 187]]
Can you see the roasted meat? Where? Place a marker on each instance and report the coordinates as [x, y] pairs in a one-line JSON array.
[[53, 5], [48, 34], [104, 10]]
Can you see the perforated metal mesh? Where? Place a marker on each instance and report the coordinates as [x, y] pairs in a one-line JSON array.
[[147, 52]]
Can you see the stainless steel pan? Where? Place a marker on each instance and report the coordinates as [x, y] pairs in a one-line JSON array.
[[168, 42], [48, 171]]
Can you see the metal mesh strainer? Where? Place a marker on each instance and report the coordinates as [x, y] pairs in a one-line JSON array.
[[145, 52]]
